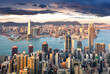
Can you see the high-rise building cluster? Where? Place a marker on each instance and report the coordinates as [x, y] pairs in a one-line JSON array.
[[31, 30], [56, 61]]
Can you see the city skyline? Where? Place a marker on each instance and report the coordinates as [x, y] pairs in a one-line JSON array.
[[55, 10], [54, 37]]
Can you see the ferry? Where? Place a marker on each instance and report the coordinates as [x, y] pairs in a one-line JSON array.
[[61, 42]]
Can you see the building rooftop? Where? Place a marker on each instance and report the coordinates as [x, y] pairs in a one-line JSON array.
[[45, 43], [14, 47]]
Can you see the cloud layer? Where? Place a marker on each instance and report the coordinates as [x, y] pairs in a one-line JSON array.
[[8, 10], [99, 8], [95, 7]]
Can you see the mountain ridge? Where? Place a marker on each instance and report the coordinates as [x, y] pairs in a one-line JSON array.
[[38, 23]]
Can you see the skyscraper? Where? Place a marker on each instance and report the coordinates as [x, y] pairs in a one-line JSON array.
[[86, 50], [30, 49], [91, 35], [14, 50], [10, 67], [100, 47], [21, 61], [68, 43], [97, 47], [109, 47], [29, 27], [25, 60], [72, 49], [79, 44], [18, 63], [36, 31], [45, 47], [32, 64]]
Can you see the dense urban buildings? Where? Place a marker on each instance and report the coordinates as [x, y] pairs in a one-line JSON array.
[[54, 37], [70, 60], [55, 61], [48, 30]]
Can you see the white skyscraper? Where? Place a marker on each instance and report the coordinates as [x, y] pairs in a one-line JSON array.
[[29, 27]]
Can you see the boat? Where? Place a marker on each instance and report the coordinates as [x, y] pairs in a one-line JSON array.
[[61, 42]]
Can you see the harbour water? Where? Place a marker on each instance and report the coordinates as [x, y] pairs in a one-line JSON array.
[[5, 45]]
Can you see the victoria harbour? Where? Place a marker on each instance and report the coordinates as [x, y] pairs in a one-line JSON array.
[[5, 45]]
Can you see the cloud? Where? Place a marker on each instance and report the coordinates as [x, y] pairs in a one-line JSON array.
[[89, 7], [8, 10], [22, 4], [42, 5], [95, 7], [35, 5]]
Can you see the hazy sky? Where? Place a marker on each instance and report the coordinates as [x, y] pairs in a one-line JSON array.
[[84, 11]]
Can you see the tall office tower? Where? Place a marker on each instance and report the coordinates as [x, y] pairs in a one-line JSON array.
[[45, 47], [40, 68], [29, 27], [14, 50], [10, 67], [50, 50], [37, 66], [68, 43], [25, 60], [18, 63], [51, 58], [79, 44], [56, 59], [40, 56], [21, 61], [15, 67], [109, 48], [79, 53], [72, 65], [28, 62], [36, 31], [76, 68], [72, 49], [101, 65], [86, 50], [30, 49], [102, 47], [69, 62], [97, 47], [91, 36], [32, 64], [43, 56]]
